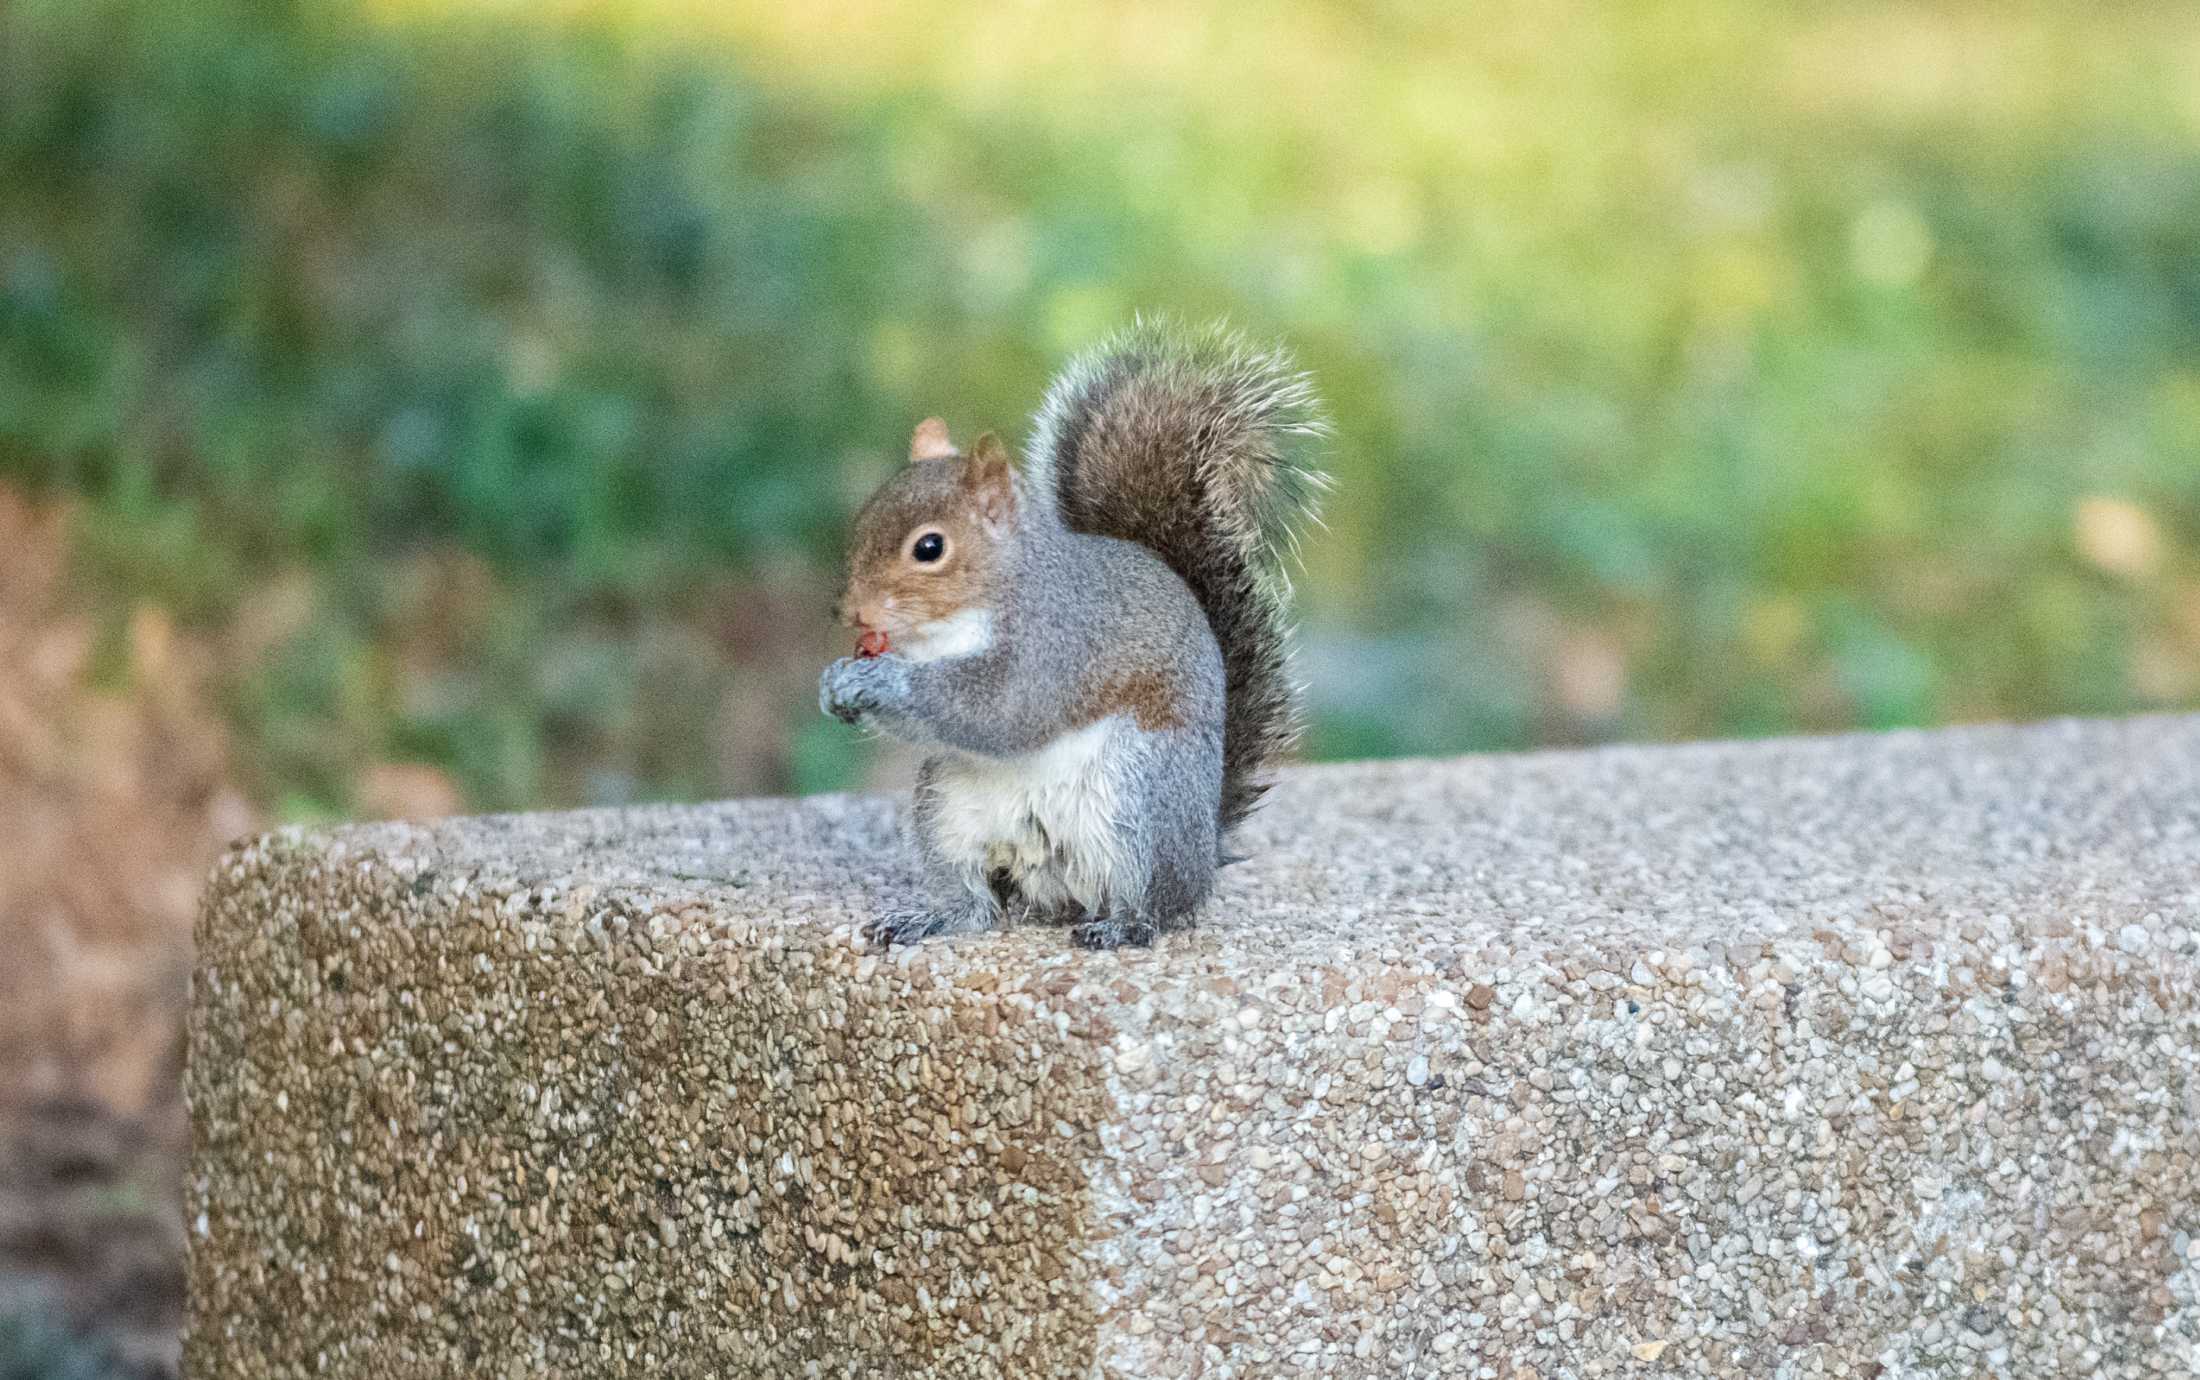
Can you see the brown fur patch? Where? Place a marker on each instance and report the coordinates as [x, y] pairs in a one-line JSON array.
[[936, 494], [1147, 696]]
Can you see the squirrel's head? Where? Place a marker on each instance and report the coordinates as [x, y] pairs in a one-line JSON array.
[[928, 544]]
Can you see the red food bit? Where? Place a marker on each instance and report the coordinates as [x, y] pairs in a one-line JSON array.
[[871, 644]]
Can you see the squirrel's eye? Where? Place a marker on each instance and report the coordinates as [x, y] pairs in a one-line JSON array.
[[929, 547]]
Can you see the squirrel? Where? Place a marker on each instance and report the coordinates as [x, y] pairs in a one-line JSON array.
[[1092, 646]]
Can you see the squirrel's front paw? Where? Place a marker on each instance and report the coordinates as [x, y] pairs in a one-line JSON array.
[[852, 688]]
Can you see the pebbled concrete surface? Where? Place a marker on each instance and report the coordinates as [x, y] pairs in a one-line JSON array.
[[1870, 1056]]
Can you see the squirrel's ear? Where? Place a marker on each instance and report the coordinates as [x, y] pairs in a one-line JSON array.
[[991, 480], [930, 441]]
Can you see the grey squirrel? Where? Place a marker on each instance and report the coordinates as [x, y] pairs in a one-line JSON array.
[[1093, 646]]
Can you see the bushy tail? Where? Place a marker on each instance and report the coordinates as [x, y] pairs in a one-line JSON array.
[[1183, 441]]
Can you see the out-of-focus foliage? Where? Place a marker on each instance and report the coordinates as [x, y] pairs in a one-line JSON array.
[[34, 1348], [488, 383]]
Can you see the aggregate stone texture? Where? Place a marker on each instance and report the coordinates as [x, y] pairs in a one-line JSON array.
[[1871, 1056]]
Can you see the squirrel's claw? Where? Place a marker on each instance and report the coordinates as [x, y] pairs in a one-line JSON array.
[[1113, 932], [898, 927], [910, 925], [841, 691], [853, 688]]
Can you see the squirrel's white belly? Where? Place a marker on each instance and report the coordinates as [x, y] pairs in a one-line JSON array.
[[1049, 818]]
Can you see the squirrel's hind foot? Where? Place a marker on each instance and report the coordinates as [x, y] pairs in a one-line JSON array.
[[1114, 932], [910, 925]]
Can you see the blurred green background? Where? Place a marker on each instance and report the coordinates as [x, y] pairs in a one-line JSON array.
[[482, 388]]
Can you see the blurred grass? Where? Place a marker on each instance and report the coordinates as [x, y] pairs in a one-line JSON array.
[[488, 383]]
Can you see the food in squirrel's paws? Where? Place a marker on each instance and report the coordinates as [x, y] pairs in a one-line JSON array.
[[871, 644]]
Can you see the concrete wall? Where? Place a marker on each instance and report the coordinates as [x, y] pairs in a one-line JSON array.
[[1873, 1056]]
